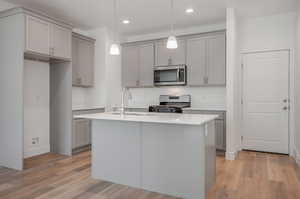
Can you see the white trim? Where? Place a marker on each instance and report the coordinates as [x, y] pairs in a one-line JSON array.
[[36, 151], [177, 32], [230, 155], [291, 123], [296, 156]]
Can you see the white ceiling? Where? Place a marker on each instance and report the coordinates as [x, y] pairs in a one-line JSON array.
[[148, 16]]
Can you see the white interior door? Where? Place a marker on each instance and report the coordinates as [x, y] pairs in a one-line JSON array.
[[266, 101]]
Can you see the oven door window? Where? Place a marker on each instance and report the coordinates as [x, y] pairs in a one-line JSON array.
[[161, 76]]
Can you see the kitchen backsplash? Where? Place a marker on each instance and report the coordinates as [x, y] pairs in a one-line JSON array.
[[212, 98]]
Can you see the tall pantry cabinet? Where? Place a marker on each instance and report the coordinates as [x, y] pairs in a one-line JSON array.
[[25, 34]]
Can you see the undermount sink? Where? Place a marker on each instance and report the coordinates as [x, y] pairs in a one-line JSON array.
[[133, 114]]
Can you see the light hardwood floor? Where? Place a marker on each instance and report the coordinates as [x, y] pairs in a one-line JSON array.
[[252, 176]]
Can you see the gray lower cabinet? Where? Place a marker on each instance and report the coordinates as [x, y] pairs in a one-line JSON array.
[[206, 61], [220, 125], [137, 65], [81, 133], [83, 50]]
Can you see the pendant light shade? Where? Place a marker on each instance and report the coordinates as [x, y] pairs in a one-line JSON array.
[[172, 42], [114, 49]]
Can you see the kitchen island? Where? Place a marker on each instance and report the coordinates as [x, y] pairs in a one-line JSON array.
[[172, 154]]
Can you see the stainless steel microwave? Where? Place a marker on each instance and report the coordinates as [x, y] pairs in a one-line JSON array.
[[170, 75]]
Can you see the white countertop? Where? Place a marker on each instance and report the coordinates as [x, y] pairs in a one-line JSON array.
[[83, 108], [165, 118], [206, 108]]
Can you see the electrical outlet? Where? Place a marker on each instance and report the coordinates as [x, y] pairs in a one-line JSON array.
[[35, 141]]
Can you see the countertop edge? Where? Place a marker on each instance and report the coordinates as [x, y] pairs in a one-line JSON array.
[[156, 121]]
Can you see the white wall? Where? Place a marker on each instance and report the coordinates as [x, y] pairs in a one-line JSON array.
[[36, 107], [107, 85], [268, 33], [297, 89]]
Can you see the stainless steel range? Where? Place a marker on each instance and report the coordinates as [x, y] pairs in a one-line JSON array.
[[171, 104]]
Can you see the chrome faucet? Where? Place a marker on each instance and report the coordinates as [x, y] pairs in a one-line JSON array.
[[125, 93]]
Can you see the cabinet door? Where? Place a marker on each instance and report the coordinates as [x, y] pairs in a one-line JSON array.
[[196, 61], [178, 56], [81, 133], [220, 135], [86, 62], [216, 60], [146, 63], [130, 66], [60, 42], [76, 79], [165, 56], [37, 35]]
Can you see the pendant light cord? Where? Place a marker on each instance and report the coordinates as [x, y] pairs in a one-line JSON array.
[[172, 16], [115, 20]]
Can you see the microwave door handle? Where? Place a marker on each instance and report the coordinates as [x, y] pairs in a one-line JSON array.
[[178, 75]]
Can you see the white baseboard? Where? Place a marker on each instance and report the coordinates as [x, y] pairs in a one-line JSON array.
[[296, 155], [36, 151], [230, 155]]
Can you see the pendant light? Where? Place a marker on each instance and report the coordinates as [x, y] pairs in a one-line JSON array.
[[115, 48], [172, 41]]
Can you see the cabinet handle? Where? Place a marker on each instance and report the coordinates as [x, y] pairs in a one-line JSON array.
[[137, 82], [205, 79], [79, 80], [51, 51], [170, 61]]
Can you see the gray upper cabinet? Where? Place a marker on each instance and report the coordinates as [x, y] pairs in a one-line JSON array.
[[47, 38], [166, 56], [216, 60], [83, 50], [37, 36], [137, 65], [196, 61], [206, 61], [60, 42], [146, 63], [130, 66], [204, 55]]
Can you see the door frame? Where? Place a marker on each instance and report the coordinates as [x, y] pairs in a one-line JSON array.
[[291, 93]]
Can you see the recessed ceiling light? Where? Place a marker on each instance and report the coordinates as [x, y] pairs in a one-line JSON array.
[[189, 10], [126, 21]]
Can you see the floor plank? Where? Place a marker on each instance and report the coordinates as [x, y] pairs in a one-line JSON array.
[[253, 175]]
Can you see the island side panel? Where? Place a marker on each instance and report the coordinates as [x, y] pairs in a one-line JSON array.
[[173, 159], [210, 156], [116, 152]]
